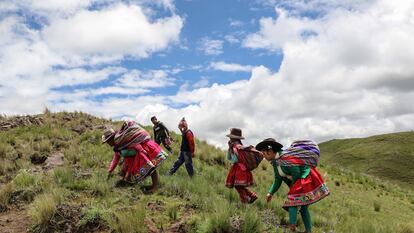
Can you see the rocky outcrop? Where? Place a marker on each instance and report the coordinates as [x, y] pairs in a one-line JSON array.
[[19, 121]]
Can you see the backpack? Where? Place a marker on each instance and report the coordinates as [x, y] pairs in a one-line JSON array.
[[252, 157]]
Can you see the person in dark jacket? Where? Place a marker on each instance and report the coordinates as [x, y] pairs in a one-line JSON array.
[[161, 134], [187, 149]]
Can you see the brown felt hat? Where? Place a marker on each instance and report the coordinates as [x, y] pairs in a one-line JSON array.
[[269, 143], [235, 133], [108, 133]]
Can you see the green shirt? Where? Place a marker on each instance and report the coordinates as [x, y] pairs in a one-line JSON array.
[[295, 172]]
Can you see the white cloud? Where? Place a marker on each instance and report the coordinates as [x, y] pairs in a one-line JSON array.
[[211, 47], [37, 61], [352, 77], [275, 34], [231, 39], [117, 30], [316, 6], [344, 81], [151, 79], [203, 82], [236, 23], [230, 67]]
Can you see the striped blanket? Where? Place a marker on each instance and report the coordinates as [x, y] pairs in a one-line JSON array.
[[129, 134], [301, 152]]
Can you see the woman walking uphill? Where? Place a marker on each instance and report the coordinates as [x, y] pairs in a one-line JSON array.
[[296, 167], [239, 176], [141, 154]]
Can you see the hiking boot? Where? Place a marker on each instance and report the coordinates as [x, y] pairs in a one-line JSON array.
[[252, 199], [292, 227]]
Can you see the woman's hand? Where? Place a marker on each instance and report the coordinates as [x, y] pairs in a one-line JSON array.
[[109, 176], [269, 197]]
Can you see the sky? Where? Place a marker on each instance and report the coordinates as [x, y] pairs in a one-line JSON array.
[[286, 69]]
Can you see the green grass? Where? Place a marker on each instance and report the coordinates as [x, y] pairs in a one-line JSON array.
[[5, 195], [358, 203], [388, 156], [42, 210]]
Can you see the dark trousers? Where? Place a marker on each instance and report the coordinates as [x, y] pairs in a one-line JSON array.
[[160, 141], [184, 157]]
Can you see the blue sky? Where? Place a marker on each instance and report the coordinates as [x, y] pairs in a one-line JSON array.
[[275, 68]]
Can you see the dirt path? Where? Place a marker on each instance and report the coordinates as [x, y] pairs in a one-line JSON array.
[[14, 221]]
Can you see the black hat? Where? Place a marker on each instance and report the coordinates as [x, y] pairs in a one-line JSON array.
[[235, 133], [269, 143]]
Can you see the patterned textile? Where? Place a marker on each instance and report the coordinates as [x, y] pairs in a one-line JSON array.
[[239, 176], [306, 191], [303, 152], [145, 168], [129, 134]]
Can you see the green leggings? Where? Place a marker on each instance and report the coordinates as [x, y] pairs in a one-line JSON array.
[[304, 212]]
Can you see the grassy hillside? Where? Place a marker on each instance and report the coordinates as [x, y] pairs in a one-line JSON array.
[[389, 156], [76, 197]]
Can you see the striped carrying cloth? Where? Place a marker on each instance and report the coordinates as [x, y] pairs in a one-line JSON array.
[[129, 134], [301, 152]]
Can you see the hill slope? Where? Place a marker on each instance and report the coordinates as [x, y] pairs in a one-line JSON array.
[[388, 156], [43, 196]]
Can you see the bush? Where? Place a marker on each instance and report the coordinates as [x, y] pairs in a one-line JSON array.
[[251, 223], [42, 210], [407, 228], [377, 206], [129, 221], [5, 195], [172, 211], [218, 221], [23, 180], [93, 217], [98, 185]]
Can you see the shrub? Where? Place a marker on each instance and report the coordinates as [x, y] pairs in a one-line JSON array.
[[377, 206], [218, 221], [5, 195], [128, 221], [42, 210], [93, 216], [172, 211], [23, 179], [407, 228], [98, 185], [252, 222]]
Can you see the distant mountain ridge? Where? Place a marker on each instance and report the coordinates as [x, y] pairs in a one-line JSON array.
[[388, 156]]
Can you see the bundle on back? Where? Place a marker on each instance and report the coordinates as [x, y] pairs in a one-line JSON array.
[[129, 134], [301, 152]]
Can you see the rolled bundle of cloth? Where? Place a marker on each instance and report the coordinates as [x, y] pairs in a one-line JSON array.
[[301, 152], [130, 134], [140, 152]]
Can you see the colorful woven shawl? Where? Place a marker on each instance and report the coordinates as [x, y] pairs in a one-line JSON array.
[[129, 134], [301, 152]]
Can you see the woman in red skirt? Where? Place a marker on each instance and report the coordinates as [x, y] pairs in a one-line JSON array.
[[140, 160], [239, 177], [297, 168]]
